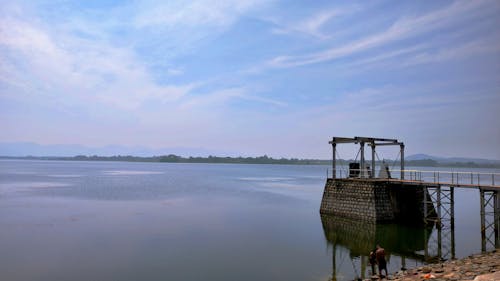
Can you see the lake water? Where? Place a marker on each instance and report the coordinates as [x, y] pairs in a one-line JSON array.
[[65, 220]]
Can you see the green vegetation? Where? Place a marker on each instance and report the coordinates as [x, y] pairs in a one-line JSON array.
[[253, 160], [178, 159]]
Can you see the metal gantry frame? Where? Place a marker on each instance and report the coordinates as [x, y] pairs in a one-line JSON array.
[[373, 143], [490, 219]]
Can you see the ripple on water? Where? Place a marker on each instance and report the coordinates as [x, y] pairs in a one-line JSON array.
[[65, 176], [130, 173], [268, 179], [28, 186]]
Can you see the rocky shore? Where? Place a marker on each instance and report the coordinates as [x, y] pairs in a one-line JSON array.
[[481, 267]]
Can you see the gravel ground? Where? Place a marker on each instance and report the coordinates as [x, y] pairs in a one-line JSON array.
[[481, 267]]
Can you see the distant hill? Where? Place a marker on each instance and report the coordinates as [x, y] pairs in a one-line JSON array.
[[444, 160], [421, 156]]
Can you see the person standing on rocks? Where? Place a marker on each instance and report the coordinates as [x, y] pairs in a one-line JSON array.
[[373, 260], [380, 258]]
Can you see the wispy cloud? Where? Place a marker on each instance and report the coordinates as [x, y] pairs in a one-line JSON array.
[[311, 26], [460, 51], [220, 97], [402, 29], [173, 14]]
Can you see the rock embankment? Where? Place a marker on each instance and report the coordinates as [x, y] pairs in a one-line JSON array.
[[481, 267]]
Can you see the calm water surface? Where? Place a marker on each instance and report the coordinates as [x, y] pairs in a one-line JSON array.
[[156, 221]]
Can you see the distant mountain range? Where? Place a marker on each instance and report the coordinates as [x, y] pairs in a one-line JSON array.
[[21, 149], [421, 156]]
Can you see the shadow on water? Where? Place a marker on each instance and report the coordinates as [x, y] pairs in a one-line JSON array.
[[352, 240]]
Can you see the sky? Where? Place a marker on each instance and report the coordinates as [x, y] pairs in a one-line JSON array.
[[252, 77]]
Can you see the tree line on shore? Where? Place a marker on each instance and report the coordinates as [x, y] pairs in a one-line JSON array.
[[171, 158]]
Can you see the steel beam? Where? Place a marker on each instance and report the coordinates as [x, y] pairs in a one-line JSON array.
[[368, 139], [343, 140]]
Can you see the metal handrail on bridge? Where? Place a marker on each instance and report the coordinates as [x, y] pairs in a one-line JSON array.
[[454, 178]]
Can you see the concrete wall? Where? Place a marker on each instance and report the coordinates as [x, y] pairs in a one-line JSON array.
[[373, 201]]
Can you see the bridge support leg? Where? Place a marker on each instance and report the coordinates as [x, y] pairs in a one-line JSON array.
[[426, 211], [440, 244], [438, 204], [452, 221], [443, 199], [430, 207], [497, 219], [490, 223], [426, 246], [334, 262], [483, 223]]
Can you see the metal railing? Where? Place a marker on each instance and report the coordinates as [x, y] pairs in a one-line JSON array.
[[455, 178]]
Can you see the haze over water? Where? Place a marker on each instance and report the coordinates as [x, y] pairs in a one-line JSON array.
[[64, 220]]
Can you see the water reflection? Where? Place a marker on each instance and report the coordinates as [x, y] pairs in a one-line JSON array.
[[352, 240]]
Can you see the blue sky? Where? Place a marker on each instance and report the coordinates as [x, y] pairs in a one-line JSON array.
[[252, 77]]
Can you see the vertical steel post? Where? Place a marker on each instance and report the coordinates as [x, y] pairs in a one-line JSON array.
[[452, 221], [439, 223], [402, 146], [496, 217], [334, 262], [425, 204], [426, 245], [483, 223], [439, 241], [373, 160], [452, 207], [438, 204], [334, 160], [362, 161]]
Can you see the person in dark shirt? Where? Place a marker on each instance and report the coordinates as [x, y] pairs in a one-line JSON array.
[[373, 260], [380, 257]]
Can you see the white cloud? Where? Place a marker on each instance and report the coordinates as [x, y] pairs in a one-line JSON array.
[[66, 68]]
